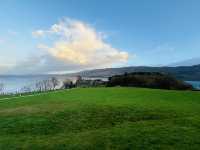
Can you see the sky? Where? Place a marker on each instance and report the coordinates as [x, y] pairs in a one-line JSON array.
[[49, 36]]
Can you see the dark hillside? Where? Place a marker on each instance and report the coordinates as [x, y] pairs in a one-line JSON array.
[[186, 73]]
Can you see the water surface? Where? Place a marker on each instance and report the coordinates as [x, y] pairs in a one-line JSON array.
[[195, 84]]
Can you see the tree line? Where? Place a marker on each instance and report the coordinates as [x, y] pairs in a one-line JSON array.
[[40, 86], [135, 79], [148, 80]]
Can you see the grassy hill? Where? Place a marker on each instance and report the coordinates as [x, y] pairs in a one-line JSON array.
[[102, 118]]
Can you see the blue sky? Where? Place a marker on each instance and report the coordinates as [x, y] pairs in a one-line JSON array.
[[156, 32]]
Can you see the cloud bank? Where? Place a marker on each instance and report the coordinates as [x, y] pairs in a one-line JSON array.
[[71, 45]]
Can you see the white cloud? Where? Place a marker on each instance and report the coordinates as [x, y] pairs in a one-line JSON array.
[[38, 33], [71, 45], [76, 43]]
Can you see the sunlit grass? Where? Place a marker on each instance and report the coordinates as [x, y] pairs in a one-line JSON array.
[[102, 118]]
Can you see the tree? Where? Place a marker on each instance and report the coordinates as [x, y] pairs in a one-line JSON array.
[[47, 85], [67, 84], [1, 87], [54, 82], [38, 86]]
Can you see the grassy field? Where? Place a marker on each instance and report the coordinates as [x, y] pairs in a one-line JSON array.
[[102, 118]]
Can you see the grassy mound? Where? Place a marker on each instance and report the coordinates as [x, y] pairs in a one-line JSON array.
[[102, 118]]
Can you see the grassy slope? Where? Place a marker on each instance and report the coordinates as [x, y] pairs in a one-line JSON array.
[[102, 118]]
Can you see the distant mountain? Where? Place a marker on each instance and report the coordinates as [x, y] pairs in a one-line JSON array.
[[189, 62], [187, 73]]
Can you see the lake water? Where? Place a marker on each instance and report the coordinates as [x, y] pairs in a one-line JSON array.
[[195, 84], [13, 84]]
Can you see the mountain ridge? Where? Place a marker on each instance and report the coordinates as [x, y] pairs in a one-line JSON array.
[[187, 73], [187, 62]]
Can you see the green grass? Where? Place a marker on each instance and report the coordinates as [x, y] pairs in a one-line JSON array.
[[102, 118]]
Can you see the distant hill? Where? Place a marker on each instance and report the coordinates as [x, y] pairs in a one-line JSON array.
[[187, 73], [189, 62]]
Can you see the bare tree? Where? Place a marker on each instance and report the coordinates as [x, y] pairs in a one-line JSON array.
[[38, 86], [1, 87], [46, 85], [54, 82]]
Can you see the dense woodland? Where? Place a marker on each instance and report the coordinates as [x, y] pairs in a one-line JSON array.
[[148, 80]]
